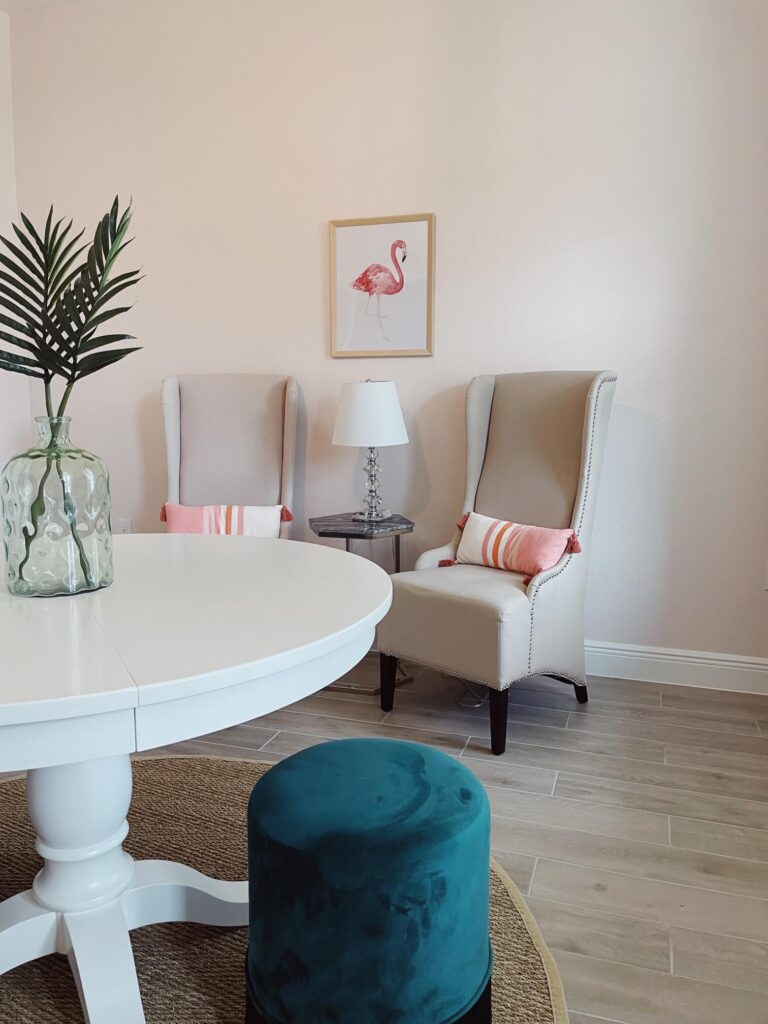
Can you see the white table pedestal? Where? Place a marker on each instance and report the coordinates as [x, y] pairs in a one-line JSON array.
[[90, 893]]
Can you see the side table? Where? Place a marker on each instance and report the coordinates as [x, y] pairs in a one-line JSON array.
[[344, 525]]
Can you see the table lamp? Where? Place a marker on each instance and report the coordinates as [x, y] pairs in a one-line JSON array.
[[369, 416]]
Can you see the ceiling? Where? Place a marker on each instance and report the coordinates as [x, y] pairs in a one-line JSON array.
[[17, 6]]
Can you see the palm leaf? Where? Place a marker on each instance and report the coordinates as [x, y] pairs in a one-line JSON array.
[[84, 304], [103, 339], [29, 290], [97, 361], [55, 293], [19, 364]]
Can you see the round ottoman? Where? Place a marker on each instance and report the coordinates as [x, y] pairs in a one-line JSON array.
[[369, 865]]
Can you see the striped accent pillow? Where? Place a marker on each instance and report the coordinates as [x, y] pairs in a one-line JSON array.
[[234, 520], [525, 549]]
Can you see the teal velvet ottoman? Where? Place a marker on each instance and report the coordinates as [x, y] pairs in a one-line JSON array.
[[369, 866]]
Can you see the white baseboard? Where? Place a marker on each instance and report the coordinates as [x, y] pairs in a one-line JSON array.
[[707, 669]]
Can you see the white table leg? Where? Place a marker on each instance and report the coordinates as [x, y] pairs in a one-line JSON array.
[[27, 931], [165, 891], [78, 812], [89, 893], [101, 959]]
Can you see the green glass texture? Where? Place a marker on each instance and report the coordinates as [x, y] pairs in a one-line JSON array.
[[57, 529]]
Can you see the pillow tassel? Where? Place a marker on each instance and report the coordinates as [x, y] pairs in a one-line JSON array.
[[163, 516], [286, 516], [445, 562], [574, 548], [463, 521]]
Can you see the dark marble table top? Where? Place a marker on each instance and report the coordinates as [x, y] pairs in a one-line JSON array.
[[344, 525]]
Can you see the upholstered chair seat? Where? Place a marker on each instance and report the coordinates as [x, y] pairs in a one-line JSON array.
[[535, 446], [467, 620]]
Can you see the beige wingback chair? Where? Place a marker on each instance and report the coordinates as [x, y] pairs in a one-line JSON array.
[[534, 451], [230, 439]]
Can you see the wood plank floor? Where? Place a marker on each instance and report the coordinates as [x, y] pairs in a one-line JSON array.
[[636, 825]]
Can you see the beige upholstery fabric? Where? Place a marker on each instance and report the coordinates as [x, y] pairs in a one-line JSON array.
[[533, 456], [230, 439], [534, 452], [468, 620]]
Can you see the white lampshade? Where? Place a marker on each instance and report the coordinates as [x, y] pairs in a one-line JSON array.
[[369, 415]]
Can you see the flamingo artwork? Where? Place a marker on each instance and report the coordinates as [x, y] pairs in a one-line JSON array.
[[379, 280]]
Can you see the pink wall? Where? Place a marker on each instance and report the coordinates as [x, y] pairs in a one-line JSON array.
[[598, 175], [14, 392]]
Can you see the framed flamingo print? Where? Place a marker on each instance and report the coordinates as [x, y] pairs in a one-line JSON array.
[[382, 286]]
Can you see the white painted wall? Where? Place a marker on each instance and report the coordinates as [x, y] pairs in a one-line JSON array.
[[15, 431], [598, 175]]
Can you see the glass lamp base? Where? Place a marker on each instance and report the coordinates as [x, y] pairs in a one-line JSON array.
[[372, 517]]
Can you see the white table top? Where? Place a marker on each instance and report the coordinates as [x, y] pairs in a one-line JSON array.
[[186, 615]]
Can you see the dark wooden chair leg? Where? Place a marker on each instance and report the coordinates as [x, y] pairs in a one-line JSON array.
[[582, 696], [387, 679], [580, 689], [498, 702]]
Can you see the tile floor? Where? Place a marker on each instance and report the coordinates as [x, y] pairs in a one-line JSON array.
[[636, 826]]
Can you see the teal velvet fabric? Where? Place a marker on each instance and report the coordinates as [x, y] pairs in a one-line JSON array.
[[369, 881]]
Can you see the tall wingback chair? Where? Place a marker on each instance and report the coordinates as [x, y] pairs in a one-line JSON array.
[[534, 451], [230, 439]]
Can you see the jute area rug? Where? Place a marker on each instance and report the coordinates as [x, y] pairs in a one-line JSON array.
[[193, 809]]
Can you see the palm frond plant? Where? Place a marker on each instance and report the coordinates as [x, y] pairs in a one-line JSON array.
[[57, 298]]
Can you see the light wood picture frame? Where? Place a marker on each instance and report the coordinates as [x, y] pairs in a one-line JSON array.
[[382, 286]]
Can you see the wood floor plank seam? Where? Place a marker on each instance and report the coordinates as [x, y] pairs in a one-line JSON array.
[[660, 881], [603, 1020], [555, 746], [725, 742], [639, 982], [392, 721], [712, 698], [700, 757], [709, 777], [710, 774], [634, 917], [662, 871], [576, 778], [269, 740], [697, 724], [688, 817], [533, 875], [619, 963], [584, 830]]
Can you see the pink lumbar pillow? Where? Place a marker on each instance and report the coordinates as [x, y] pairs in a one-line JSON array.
[[525, 549], [235, 520]]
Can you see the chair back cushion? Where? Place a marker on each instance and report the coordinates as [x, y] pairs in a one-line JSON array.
[[231, 438], [533, 454]]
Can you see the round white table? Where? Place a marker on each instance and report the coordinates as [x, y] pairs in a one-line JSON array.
[[195, 634]]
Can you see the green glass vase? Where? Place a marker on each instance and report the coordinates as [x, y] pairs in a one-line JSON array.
[[57, 529]]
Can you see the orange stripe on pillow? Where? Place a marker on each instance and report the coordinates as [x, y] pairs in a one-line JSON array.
[[487, 540], [505, 527]]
